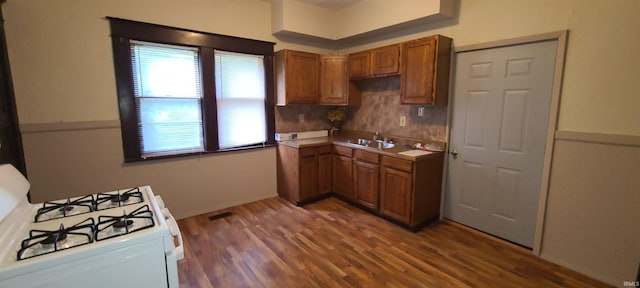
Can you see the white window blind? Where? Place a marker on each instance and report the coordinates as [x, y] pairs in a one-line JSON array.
[[168, 96], [240, 94]]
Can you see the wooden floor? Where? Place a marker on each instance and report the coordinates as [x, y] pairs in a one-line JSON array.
[[272, 243]]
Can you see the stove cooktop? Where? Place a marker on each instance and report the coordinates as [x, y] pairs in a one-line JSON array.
[[80, 205], [60, 225]]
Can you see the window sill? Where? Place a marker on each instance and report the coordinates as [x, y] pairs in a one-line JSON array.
[[200, 153]]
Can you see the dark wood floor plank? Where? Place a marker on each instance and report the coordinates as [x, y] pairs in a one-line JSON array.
[[271, 243]]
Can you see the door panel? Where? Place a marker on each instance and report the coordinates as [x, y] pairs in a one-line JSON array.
[[325, 168], [499, 126], [513, 122], [395, 194], [476, 111], [365, 186]]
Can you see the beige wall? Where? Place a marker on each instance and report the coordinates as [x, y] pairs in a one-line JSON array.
[[362, 17], [592, 224], [76, 162], [299, 17]]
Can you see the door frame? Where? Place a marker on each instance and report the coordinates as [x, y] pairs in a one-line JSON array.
[[561, 38]]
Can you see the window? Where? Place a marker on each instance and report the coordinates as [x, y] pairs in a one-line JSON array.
[[166, 84], [240, 99], [185, 92]]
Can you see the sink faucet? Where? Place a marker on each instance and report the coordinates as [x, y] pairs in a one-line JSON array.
[[376, 136]]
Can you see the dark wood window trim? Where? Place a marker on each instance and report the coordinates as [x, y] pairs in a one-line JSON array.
[[123, 31]]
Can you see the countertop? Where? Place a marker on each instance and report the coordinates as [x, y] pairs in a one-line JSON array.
[[342, 141]]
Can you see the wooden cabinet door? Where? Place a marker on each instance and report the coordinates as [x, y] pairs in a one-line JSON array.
[[342, 176], [308, 177], [365, 183], [359, 65], [333, 80], [325, 168], [395, 194], [385, 60], [298, 77], [418, 71]]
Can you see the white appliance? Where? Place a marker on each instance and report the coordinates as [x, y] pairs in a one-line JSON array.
[[123, 238]]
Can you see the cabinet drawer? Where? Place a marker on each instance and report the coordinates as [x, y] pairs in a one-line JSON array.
[[366, 156], [324, 149], [399, 164], [307, 152], [348, 152]]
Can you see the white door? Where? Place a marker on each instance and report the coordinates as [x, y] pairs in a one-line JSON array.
[[499, 126]]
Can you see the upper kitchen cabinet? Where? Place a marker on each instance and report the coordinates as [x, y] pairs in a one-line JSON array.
[[382, 61], [297, 77], [424, 75], [359, 64], [335, 88], [385, 60]]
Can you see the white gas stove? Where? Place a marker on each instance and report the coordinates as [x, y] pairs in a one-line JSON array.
[[123, 238]]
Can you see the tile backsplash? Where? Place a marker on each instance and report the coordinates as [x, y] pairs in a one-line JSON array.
[[315, 118], [380, 110]]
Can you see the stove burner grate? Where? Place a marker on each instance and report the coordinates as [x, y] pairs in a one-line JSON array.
[[114, 226], [41, 242], [53, 210], [118, 199]]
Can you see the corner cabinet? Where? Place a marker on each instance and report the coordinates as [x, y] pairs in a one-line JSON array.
[[335, 88], [424, 74], [297, 77], [410, 191], [304, 174]]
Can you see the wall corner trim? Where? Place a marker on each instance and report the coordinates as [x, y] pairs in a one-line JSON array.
[[598, 138], [68, 126]]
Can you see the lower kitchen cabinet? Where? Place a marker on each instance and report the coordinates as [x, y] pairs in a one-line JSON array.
[[366, 179], [405, 191], [395, 193], [303, 173], [343, 171], [410, 191]]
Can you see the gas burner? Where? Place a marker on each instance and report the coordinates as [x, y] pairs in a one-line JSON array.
[[42, 242], [69, 207], [65, 210], [118, 199], [122, 224], [114, 226], [55, 239]]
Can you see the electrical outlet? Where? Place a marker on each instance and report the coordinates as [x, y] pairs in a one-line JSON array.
[[420, 111], [301, 118], [403, 121]]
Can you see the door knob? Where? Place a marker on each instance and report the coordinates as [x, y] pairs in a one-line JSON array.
[[454, 153]]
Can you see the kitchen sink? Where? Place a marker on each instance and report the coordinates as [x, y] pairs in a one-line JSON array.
[[371, 143], [386, 145]]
